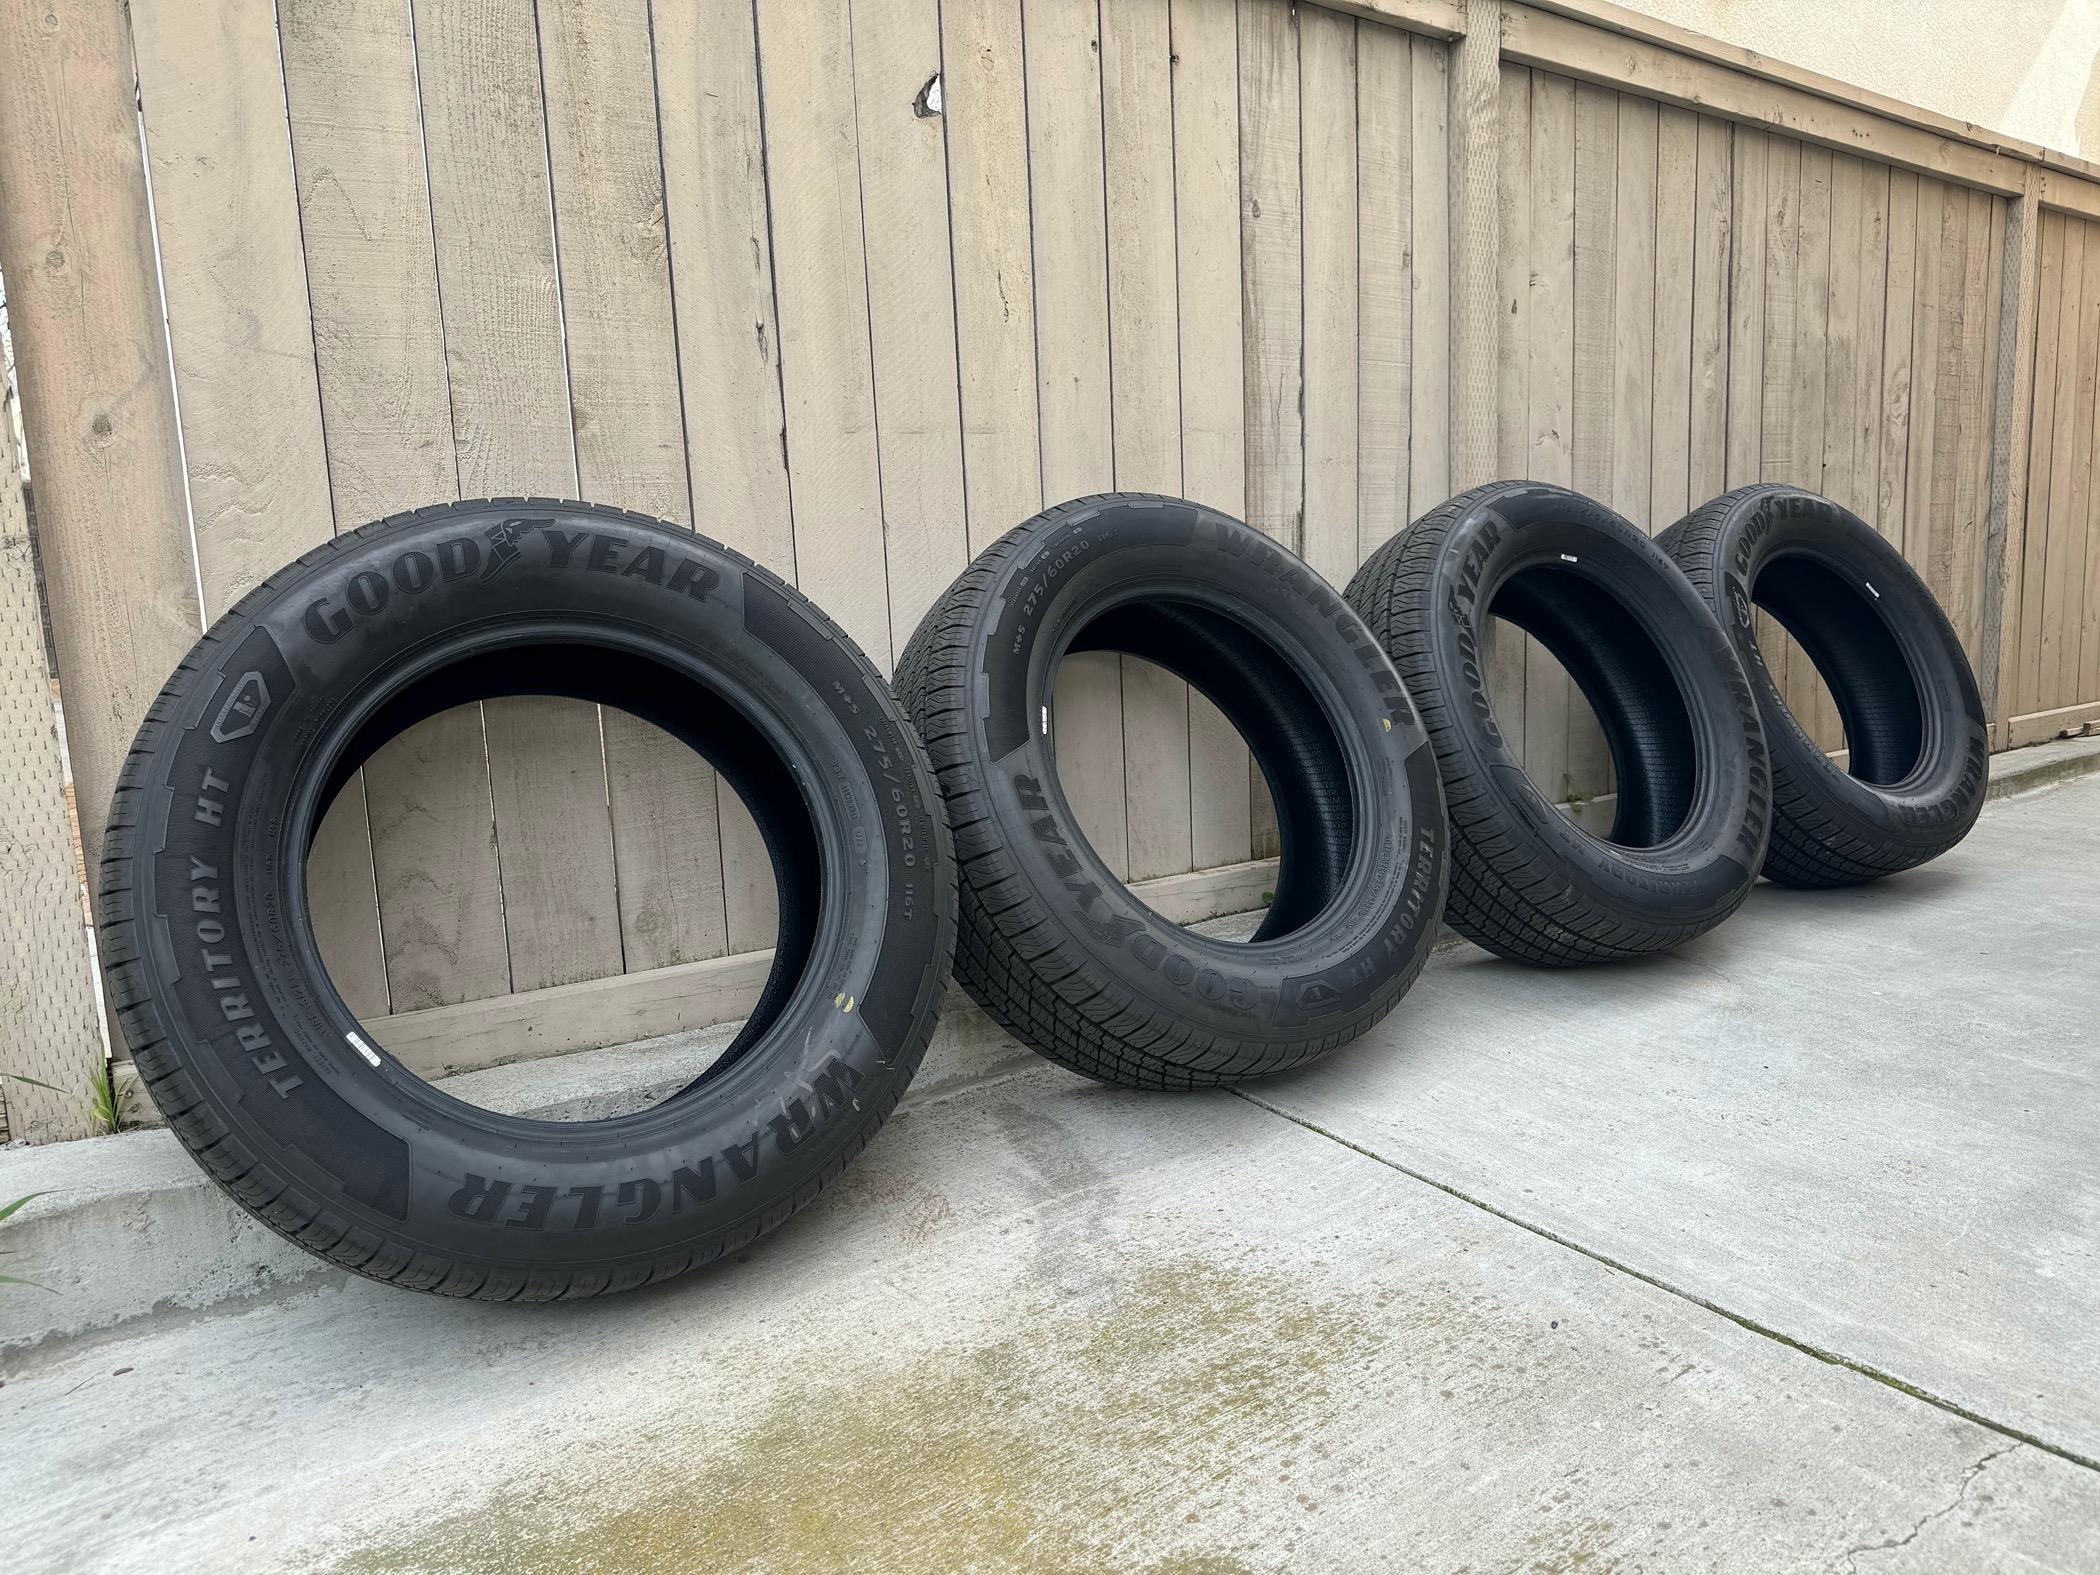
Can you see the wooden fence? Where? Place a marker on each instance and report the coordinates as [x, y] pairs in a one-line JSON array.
[[856, 285]]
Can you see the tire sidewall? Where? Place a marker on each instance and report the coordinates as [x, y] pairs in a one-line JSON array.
[[1360, 953], [1942, 796], [267, 1039], [1702, 871]]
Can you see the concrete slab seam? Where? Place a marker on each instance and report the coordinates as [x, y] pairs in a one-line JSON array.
[[1778, 1336]]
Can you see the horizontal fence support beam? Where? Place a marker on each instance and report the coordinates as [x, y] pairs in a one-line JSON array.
[[1560, 44], [443, 1040]]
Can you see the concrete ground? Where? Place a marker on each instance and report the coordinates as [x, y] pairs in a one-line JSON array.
[[1782, 1252]]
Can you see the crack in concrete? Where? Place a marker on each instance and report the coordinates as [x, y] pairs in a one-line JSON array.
[[1833, 1358], [1853, 1554]]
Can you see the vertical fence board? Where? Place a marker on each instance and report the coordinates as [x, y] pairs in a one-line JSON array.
[[1384, 283], [610, 234], [1840, 476], [1272, 297], [722, 279], [806, 69], [993, 263], [1137, 110], [1587, 771], [1712, 247], [1633, 318], [1551, 381], [241, 326], [1897, 329], [1806, 695], [2072, 374], [1874, 245], [98, 406], [2065, 600], [911, 304], [1429, 158], [1327, 100], [1272, 287], [1746, 308], [1213, 414], [371, 267], [1508, 654], [1675, 349], [238, 315], [2025, 679], [484, 133], [1066, 179]]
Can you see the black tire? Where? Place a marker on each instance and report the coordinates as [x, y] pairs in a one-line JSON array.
[[1693, 787], [1919, 747], [260, 1068], [1052, 945]]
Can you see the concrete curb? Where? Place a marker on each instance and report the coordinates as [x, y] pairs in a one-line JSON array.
[[2042, 766], [129, 1226]]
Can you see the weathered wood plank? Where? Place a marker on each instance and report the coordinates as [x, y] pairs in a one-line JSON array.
[[911, 304], [1746, 308], [1807, 695], [1841, 350], [1552, 385], [239, 320], [1066, 180], [2067, 442], [994, 263], [242, 331], [1897, 332], [1429, 158], [1633, 311], [1597, 243], [1474, 152], [441, 890], [610, 220], [1145, 379], [1327, 100], [827, 379], [1384, 283], [2024, 677], [722, 278], [97, 403], [386, 413], [721, 257], [1271, 268], [1272, 300], [1871, 333], [2064, 604], [1712, 242], [1508, 653], [492, 210], [1676, 203], [1213, 410], [546, 769]]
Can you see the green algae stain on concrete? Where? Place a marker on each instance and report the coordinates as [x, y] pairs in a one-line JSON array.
[[1090, 1437]]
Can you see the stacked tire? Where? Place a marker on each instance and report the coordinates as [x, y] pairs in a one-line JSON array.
[[927, 827]]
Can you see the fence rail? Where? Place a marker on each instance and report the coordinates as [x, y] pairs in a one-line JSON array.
[[856, 285]]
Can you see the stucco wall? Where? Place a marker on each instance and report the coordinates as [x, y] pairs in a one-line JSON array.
[[2023, 67]]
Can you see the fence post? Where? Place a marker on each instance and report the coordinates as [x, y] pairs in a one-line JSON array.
[[50, 1026], [1476, 99], [2012, 401]]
